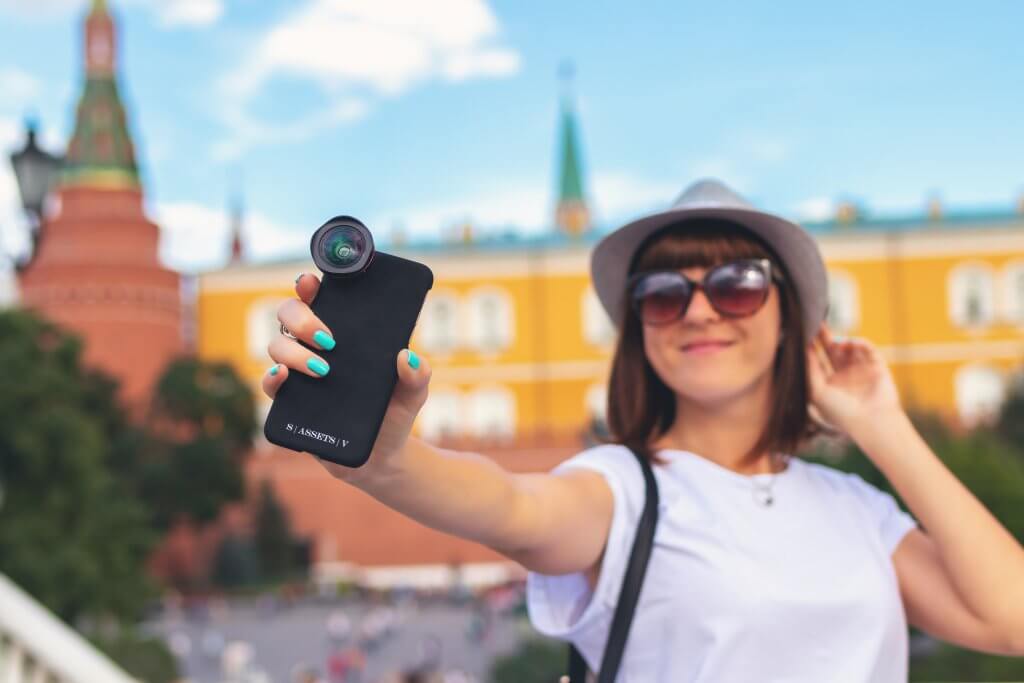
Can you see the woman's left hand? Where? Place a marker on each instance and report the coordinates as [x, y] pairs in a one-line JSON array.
[[857, 389]]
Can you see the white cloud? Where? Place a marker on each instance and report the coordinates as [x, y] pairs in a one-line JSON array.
[[618, 196], [170, 13], [527, 208], [814, 209], [199, 13], [247, 132], [43, 9], [360, 51], [14, 237], [196, 237], [18, 85]]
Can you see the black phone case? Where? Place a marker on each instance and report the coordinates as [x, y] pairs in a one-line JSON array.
[[371, 317]]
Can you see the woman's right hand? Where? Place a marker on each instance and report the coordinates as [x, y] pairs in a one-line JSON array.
[[410, 391]]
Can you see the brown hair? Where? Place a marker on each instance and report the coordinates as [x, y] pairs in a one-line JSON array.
[[641, 407]]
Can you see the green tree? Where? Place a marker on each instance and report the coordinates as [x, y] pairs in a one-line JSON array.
[[1010, 424], [538, 659], [275, 544], [146, 658], [994, 473], [73, 532], [201, 425], [235, 563]]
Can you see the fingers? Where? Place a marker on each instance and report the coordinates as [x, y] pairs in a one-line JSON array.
[[413, 378], [306, 286], [304, 324], [292, 354], [273, 378]]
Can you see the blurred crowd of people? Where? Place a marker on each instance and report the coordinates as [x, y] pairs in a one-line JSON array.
[[355, 630]]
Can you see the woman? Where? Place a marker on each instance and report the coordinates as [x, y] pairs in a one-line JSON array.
[[765, 567]]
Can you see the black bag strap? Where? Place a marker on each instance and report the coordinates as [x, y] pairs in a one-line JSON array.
[[643, 543]]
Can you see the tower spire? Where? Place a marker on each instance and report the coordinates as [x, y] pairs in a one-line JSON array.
[[101, 153], [237, 214], [571, 214]]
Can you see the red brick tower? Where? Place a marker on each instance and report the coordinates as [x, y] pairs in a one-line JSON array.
[[95, 270]]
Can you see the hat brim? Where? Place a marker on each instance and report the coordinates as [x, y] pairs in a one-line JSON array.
[[611, 257]]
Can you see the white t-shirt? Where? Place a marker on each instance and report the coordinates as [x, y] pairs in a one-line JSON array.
[[803, 591]]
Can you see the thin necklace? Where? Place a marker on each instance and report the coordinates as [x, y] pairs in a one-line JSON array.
[[762, 492]]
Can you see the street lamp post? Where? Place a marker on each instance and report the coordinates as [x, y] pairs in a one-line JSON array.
[[36, 170]]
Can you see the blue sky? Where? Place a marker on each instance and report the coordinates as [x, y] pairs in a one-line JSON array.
[[426, 114]]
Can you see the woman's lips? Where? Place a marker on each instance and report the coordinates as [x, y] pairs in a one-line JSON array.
[[704, 348]]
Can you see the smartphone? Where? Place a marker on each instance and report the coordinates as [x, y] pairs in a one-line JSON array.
[[370, 302]]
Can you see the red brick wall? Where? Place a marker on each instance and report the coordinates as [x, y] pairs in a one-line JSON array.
[[96, 272]]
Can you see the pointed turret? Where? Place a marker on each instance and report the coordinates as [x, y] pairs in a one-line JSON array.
[[237, 220], [572, 215], [101, 153]]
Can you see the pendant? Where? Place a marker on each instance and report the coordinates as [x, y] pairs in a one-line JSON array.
[[763, 496]]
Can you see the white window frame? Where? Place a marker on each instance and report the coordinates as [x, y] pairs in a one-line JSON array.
[[844, 302], [598, 329], [483, 404], [969, 385], [429, 334], [1012, 294], [956, 292], [440, 415], [596, 402], [504, 311], [261, 324]]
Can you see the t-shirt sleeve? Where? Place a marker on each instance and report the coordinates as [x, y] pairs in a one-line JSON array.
[[892, 522], [562, 606]]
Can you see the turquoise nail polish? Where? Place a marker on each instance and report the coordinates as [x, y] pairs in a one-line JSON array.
[[414, 361], [273, 370], [323, 339], [318, 366]]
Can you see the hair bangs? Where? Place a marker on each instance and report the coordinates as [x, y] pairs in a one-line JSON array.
[[698, 243]]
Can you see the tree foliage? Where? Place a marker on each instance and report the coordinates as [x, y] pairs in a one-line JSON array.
[[73, 532], [993, 471]]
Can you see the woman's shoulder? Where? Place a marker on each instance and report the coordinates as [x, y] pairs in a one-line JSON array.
[[618, 465], [835, 478]]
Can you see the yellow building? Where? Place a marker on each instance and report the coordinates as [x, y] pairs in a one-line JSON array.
[[521, 347]]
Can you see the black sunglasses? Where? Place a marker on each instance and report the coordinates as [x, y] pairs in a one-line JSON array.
[[734, 289]]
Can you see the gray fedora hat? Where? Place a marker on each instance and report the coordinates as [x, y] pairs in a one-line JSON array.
[[612, 256]]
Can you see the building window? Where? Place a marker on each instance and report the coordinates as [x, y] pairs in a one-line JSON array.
[[439, 322], [261, 325], [980, 392], [490, 320], [439, 417], [597, 404], [492, 413], [843, 303], [597, 326], [1013, 293], [971, 295]]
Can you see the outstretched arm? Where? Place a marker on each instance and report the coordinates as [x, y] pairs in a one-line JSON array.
[[549, 523]]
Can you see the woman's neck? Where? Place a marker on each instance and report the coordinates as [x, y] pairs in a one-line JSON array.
[[723, 432]]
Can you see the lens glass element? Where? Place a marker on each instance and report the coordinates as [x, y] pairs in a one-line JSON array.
[[343, 246]]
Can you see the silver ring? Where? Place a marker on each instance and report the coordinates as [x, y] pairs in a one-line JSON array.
[[286, 332]]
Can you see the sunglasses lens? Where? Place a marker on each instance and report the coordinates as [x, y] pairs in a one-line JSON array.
[[738, 288], [660, 298]]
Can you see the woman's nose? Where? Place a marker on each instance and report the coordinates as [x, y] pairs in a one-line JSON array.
[[700, 309]]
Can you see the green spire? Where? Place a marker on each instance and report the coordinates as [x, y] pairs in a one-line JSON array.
[[571, 214], [101, 151], [570, 187]]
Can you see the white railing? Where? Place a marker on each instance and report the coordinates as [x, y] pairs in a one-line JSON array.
[[37, 647]]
